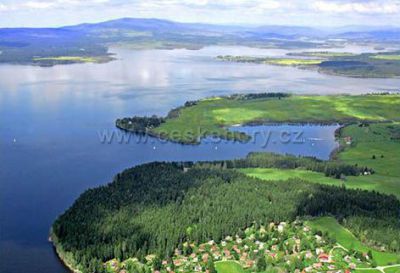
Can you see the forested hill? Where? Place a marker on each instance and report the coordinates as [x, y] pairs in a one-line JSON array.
[[153, 208]]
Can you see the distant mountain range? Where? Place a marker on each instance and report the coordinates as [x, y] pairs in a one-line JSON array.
[[124, 26], [23, 44]]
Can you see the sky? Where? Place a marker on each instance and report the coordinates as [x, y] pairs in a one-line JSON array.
[[317, 13]]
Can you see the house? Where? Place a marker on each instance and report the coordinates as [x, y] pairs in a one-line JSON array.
[[177, 262], [324, 258], [308, 255], [249, 264], [348, 140], [331, 267], [205, 257], [317, 265]]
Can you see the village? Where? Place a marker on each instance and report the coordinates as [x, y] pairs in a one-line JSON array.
[[284, 247]]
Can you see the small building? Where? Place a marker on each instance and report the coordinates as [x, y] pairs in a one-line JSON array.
[[348, 140], [324, 258]]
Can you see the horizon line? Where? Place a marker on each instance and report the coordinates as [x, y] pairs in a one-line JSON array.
[[202, 23]]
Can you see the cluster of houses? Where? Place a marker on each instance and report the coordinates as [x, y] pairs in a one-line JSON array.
[[292, 247]]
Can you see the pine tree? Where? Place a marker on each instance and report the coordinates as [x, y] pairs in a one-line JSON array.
[[211, 266], [261, 263]]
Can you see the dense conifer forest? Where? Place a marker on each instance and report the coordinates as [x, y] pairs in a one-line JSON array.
[[153, 208]]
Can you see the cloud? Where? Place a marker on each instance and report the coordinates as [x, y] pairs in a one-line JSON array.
[[387, 7], [256, 12], [38, 5], [220, 5], [338, 6], [3, 7], [56, 4]]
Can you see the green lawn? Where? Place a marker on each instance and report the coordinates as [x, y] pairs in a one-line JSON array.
[[392, 269], [228, 267], [209, 116], [375, 140], [375, 182], [348, 240], [272, 174]]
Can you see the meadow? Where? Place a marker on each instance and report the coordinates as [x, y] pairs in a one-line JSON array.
[[322, 54], [273, 174], [49, 61], [375, 146], [292, 61], [389, 57], [273, 61], [378, 147], [212, 116], [67, 58], [229, 267]]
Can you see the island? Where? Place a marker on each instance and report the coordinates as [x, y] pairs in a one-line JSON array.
[[263, 213], [365, 65]]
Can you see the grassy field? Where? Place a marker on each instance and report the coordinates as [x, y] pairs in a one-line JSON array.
[[376, 146], [388, 185], [323, 54], [349, 241], [273, 61], [392, 269], [67, 58], [210, 116], [367, 142], [281, 174], [291, 61], [368, 271], [387, 57], [228, 267], [72, 59]]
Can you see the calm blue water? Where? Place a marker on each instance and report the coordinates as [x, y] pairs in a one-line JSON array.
[[50, 120]]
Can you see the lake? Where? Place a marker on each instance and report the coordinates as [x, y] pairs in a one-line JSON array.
[[52, 120]]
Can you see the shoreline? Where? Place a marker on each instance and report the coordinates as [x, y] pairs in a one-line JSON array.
[[173, 127], [59, 255], [249, 124]]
